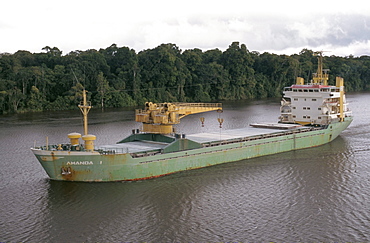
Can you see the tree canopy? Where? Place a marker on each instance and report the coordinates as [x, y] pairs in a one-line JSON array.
[[118, 76]]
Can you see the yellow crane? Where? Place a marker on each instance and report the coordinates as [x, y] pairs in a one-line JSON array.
[[160, 117]]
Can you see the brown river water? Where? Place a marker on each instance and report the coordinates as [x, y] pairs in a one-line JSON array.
[[315, 194]]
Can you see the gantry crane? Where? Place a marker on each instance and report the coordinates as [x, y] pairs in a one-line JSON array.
[[160, 117]]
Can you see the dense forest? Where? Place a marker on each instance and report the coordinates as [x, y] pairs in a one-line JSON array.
[[118, 76]]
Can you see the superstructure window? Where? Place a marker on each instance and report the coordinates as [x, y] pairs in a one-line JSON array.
[[313, 99], [295, 99]]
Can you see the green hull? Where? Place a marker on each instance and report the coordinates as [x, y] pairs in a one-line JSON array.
[[95, 166]]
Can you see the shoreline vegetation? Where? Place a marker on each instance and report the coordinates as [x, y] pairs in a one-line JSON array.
[[120, 77]]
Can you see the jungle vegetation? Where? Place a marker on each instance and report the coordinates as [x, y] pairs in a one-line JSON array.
[[119, 77]]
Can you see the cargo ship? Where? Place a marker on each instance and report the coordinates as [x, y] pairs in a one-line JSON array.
[[312, 114]]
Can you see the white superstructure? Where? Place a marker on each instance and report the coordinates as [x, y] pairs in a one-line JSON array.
[[315, 103]]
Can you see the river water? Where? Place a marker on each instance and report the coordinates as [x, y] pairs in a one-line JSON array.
[[316, 194]]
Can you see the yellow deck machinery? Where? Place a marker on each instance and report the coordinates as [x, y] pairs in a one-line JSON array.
[[160, 117]]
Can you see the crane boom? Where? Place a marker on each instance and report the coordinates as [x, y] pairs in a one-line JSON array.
[[160, 117]]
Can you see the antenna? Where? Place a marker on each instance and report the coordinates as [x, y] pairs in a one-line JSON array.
[[84, 76], [74, 75]]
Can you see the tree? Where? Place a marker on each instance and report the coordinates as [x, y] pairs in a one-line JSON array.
[[125, 71], [15, 98], [103, 89], [3, 96], [118, 76], [163, 70], [36, 100], [53, 51], [238, 62], [75, 95]]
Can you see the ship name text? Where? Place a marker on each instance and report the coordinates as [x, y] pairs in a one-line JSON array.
[[80, 163]]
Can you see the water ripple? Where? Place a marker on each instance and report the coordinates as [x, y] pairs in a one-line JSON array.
[[316, 194]]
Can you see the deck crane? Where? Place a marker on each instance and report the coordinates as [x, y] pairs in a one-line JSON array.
[[160, 117]]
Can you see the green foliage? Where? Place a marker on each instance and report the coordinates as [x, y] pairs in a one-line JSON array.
[[118, 76], [104, 91], [36, 100]]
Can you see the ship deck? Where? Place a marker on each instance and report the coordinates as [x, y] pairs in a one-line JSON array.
[[132, 147], [246, 132], [256, 130]]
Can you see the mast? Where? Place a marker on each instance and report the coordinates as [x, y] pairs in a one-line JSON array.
[[321, 76], [85, 108]]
